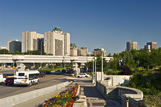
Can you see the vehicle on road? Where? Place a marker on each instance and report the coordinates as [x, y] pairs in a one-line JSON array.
[[27, 77], [2, 79], [42, 74], [64, 71], [83, 75], [47, 72], [9, 80]]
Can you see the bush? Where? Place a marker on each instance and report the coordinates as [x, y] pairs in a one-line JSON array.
[[148, 83], [126, 70]]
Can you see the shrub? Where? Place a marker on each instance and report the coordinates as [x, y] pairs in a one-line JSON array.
[[126, 70]]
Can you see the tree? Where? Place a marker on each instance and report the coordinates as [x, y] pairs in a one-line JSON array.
[[4, 51], [98, 64], [109, 55], [126, 70]]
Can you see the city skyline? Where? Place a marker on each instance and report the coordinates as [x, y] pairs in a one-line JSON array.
[[94, 24]]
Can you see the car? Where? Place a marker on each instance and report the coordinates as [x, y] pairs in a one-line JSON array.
[[83, 75], [63, 71], [42, 74], [47, 72], [10, 80]]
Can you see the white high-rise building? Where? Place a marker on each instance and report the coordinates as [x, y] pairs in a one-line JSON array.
[[66, 44], [29, 39], [57, 42]]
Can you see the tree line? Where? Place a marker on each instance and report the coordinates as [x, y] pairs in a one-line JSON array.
[[36, 52]]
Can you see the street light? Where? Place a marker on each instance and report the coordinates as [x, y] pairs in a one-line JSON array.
[[95, 68], [93, 79], [102, 51], [94, 71], [64, 60]]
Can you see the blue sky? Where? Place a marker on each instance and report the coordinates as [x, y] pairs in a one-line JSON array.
[[107, 24]]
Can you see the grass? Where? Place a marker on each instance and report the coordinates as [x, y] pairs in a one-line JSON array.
[[153, 100], [52, 69], [112, 72]]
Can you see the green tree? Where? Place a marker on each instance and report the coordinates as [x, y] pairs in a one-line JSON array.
[[98, 64], [109, 55], [4, 51]]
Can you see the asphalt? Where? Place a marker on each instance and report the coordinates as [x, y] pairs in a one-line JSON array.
[[93, 97]]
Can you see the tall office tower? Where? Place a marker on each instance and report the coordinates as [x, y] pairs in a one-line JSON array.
[[38, 44], [57, 42], [8, 47], [151, 45], [131, 45], [66, 44], [73, 50], [14, 46], [29, 40], [98, 52], [83, 51]]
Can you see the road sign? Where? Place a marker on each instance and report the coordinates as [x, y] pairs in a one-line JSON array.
[[14, 68]]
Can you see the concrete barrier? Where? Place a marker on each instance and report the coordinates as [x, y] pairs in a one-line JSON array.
[[129, 97], [17, 99]]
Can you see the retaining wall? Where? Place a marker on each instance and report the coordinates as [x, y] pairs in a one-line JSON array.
[[129, 97], [16, 99]]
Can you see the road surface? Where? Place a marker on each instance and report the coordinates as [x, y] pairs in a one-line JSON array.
[[46, 81]]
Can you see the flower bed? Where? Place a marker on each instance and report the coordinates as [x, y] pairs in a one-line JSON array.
[[63, 99]]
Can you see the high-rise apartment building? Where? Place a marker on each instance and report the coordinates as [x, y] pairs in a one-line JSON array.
[[73, 50], [38, 44], [83, 51], [131, 45], [57, 42], [14, 46], [8, 45], [150, 45], [98, 51], [66, 44], [29, 40]]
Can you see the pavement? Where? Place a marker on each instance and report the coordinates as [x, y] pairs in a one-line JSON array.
[[93, 97]]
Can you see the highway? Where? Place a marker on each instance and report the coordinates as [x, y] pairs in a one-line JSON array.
[[46, 81]]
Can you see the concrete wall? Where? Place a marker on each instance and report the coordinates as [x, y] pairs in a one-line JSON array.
[[116, 80], [121, 94], [16, 99]]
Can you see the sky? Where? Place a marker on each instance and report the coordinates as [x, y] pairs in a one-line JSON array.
[[107, 24]]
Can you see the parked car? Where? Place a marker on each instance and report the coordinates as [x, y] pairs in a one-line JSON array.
[[64, 71], [47, 72], [42, 74], [83, 75], [9, 80]]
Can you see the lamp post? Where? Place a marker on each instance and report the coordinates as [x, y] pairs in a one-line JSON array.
[[95, 68], [102, 50], [64, 60], [93, 76]]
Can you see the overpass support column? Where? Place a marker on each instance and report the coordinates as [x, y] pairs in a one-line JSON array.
[[76, 69]]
